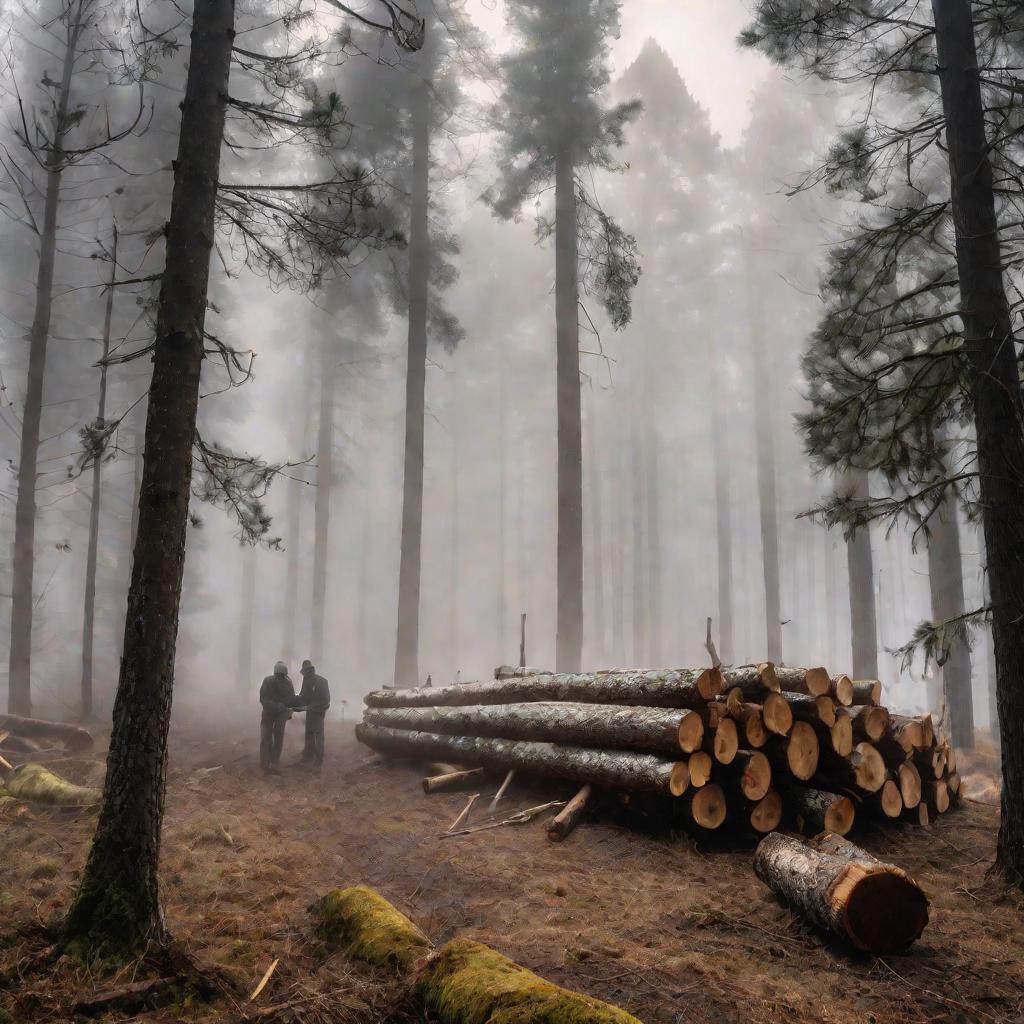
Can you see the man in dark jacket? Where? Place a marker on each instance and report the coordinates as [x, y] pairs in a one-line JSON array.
[[314, 698], [277, 695]]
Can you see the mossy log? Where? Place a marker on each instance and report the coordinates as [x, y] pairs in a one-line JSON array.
[[366, 926], [817, 810], [36, 784], [875, 906], [466, 982], [73, 737], [660, 730], [616, 769], [677, 688]]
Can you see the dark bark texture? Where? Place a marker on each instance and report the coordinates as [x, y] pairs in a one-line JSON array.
[[863, 631]]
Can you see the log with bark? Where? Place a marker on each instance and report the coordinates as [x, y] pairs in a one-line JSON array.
[[863, 769], [817, 810], [909, 780], [813, 681], [751, 773], [706, 806], [807, 708], [753, 681], [616, 769], [681, 688], [723, 742], [867, 691], [796, 753], [844, 890], [869, 722], [72, 737], [660, 730], [568, 817]]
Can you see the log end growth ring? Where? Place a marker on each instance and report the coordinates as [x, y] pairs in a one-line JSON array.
[[884, 911]]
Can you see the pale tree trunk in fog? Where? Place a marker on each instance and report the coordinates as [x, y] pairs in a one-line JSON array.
[[502, 611], [293, 533], [639, 519], [652, 441], [89, 614], [863, 631], [247, 604], [569, 633], [945, 578], [22, 599], [407, 637], [764, 401], [726, 641], [453, 582], [365, 585], [829, 600], [595, 568], [117, 906], [322, 507], [618, 559]]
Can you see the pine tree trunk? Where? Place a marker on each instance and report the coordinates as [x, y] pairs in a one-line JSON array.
[[595, 568], [407, 640], [652, 551], [289, 604], [726, 640], [569, 636], [502, 612], [89, 614], [639, 520], [945, 578], [322, 504], [829, 599], [618, 559], [245, 621], [863, 634], [764, 399], [117, 906], [19, 695], [453, 544], [996, 398]]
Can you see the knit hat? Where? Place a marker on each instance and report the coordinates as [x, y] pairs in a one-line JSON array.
[[307, 666], [280, 669]]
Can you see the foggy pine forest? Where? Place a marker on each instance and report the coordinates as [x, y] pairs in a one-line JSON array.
[[397, 334]]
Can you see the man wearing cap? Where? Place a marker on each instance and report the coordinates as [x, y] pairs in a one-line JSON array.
[[314, 698], [277, 694]]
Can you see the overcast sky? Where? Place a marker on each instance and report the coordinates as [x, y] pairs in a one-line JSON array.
[[700, 35]]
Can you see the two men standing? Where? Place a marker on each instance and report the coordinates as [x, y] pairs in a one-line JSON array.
[[279, 701]]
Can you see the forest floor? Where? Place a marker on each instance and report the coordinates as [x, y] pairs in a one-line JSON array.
[[671, 927]]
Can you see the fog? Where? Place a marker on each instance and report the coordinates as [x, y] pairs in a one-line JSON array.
[[727, 297]]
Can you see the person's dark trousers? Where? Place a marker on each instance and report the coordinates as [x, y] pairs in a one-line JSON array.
[[313, 752], [271, 740]]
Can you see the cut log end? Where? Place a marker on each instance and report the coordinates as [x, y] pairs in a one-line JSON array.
[[776, 714], [839, 817], [884, 910], [802, 751], [700, 769], [752, 723], [841, 736], [888, 799], [869, 767], [909, 780], [767, 813], [708, 806], [691, 732], [756, 778], [766, 670], [726, 741], [710, 683], [679, 781], [842, 690]]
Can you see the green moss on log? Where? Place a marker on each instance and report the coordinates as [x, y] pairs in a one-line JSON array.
[[370, 928], [469, 983], [33, 782]]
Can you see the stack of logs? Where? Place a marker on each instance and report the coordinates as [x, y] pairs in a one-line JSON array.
[[750, 745]]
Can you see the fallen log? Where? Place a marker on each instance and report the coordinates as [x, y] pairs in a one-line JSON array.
[[753, 681], [807, 708], [813, 681], [659, 730], [452, 781], [867, 691], [512, 671], [679, 688], [777, 714], [817, 810], [34, 783], [568, 817], [863, 769], [616, 769], [869, 722], [841, 690], [796, 753], [73, 737], [875, 906]]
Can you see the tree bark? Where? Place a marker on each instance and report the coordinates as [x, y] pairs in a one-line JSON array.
[[617, 769], [638, 519], [569, 636], [946, 580], [684, 688], [89, 613], [246, 610], [408, 633], [19, 694], [117, 905], [71, 736], [657, 730], [723, 523], [322, 502], [598, 644], [863, 632], [653, 552]]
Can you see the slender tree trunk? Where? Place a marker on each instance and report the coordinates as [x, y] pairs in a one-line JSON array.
[[247, 606], [598, 645], [453, 598], [502, 612], [618, 560], [322, 507], [639, 520], [653, 553], [23, 602], [831, 641], [995, 390], [293, 533], [363, 597], [89, 616], [569, 636], [721, 467], [408, 634], [863, 631], [117, 906], [764, 398], [945, 578]]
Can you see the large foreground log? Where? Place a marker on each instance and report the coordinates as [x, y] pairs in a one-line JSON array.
[[616, 769], [875, 906], [73, 737], [679, 688], [662, 730]]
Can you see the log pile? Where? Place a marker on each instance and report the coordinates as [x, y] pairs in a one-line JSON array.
[[754, 746]]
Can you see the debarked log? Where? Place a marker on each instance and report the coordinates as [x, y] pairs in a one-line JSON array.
[[661, 730], [875, 906], [616, 769], [678, 688]]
